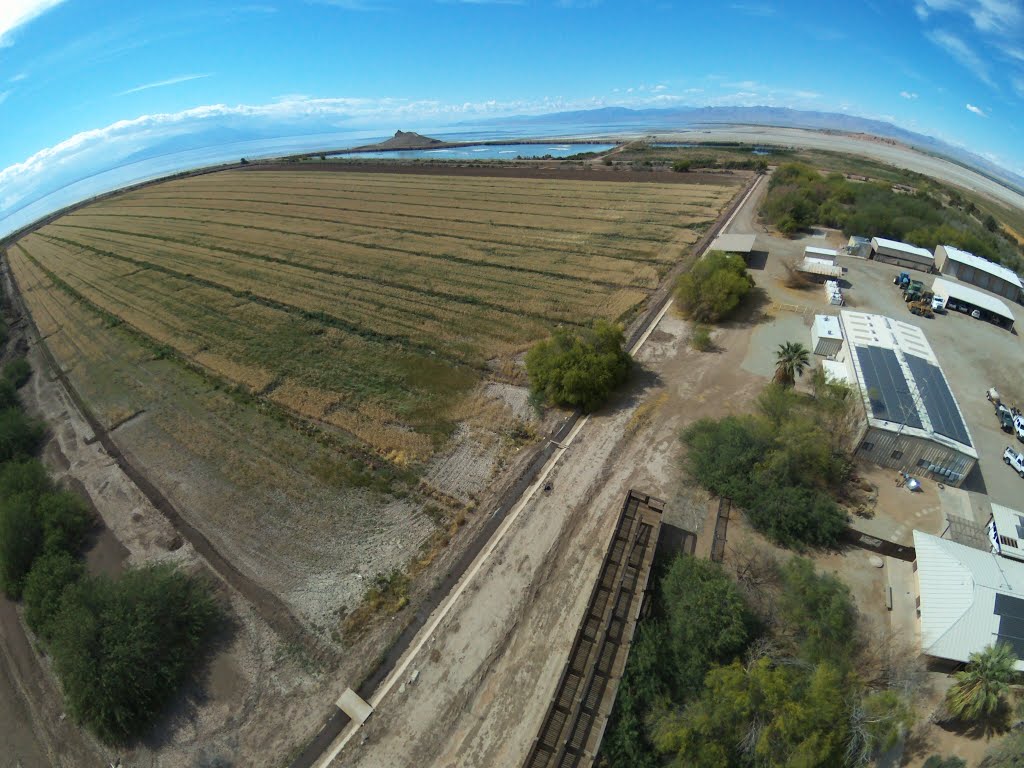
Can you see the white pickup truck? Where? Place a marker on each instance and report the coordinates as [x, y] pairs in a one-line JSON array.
[[1018, 426], [1014, 460]]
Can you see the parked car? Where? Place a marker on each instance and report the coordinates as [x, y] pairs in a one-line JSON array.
[[1005, 418], [1014, 460], [1018, 426]]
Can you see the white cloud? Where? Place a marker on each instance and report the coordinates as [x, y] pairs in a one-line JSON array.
[[162, 83], [908, 95], [1018, 86], [997, 16], [18, 77], [963, 53], [17, 13], [976, 110], [4, 95]]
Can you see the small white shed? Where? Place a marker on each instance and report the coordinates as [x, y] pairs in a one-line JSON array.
[[826, 335]]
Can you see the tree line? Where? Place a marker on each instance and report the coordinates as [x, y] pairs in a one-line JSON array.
[[121, 647]]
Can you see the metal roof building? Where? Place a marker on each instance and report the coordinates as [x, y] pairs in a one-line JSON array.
[[962, 295], [901, 254], [913, 422], [968, 268], [968, 599], [742, 244]]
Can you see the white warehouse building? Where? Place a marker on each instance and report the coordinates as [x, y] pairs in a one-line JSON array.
[[901, 254], [968, 268], [912, 421]]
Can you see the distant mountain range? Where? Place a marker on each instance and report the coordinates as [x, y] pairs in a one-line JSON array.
[[780, 117]]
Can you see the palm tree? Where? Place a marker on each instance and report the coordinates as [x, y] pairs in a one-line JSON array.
[[980, 689], [792, 359]]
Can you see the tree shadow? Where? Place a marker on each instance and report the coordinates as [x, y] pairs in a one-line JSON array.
[[182, 711], [996, 724], [753, 310], [641, 381]]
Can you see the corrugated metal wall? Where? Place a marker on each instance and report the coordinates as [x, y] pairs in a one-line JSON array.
[[915, 455]]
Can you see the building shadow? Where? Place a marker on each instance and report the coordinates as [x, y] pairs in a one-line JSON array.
[[757, 260], [975, 481]]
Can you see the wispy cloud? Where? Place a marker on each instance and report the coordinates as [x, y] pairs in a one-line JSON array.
[[1018, 86], [163, 83], [976, 110], [4, 95], [17, 13], [18, 77], [754, 9], [998, 16], [962, 53], [908, 95]]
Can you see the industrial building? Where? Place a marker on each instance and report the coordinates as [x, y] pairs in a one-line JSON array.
[[901, 254], [820, 264], [826, 335], [1006, 532], [912, 420], [964, 298], [968, 268], [967, 599]]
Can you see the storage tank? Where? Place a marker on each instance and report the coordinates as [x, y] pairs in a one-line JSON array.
[[826, 335]]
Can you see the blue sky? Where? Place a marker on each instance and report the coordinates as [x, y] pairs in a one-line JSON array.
[[87, 82]]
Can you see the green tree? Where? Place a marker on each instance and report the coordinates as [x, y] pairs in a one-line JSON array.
[[707, 619], [65, 518], [818, 609], [579, 368], [762, 714], [791, 360], [935, 761], [20, 435], [18, 372], [714, 288], [21, 541], [122, 648], [51, 575], [980, 689]]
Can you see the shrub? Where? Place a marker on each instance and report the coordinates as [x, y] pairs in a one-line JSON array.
[[8, 395], [17, 372], [20, 435], [714, 288], [121, 648], [50, 576], [27, 476], [700, 340], [579, 368]]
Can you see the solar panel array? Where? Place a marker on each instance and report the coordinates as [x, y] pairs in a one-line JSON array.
[[938, 400], [1011, 622], [887, 387]]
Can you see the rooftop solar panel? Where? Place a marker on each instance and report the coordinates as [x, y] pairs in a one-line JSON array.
[[938, 400], [1014, 642], [1007, 605], [887, 387]]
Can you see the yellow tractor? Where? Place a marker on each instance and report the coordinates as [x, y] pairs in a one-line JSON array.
[[921, 307]]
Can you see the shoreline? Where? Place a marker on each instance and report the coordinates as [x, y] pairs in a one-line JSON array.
[[877, 148]]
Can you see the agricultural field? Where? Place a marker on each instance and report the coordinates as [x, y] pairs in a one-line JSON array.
[[320, 369]]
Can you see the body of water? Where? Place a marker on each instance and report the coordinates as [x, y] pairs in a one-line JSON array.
[[486, 152]]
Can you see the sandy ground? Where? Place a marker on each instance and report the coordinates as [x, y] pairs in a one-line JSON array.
[[895, 154]]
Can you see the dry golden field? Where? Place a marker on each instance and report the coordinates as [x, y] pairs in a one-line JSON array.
[[206, 320], [369, 301]]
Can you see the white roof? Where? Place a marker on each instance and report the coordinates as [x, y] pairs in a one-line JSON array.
[[896, 245], [828, 253], [965, 257], [836, 370], [733, 243], [865, 330], [956, 290], [827, 327], [958, 588], [1010, 524], [820, 267]]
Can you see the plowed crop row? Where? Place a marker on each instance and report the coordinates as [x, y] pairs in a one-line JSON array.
[[371, 302]]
